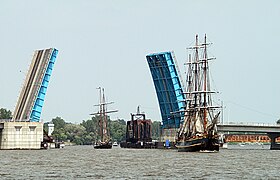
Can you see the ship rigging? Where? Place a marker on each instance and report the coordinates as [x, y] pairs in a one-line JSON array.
[[104, 134], [198, 131]]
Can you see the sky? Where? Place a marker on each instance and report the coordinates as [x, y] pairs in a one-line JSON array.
[[103, 43]]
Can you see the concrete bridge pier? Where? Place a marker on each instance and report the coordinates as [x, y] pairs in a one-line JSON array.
[[274, 145]]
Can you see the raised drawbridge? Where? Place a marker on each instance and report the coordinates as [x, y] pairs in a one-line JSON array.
[[168, 88], [32, 96]]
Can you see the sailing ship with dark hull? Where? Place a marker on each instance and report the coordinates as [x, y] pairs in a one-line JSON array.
[[198, 131], [103, 131]]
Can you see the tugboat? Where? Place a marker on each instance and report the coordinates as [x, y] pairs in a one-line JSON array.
[[104, 134], [199, 131]]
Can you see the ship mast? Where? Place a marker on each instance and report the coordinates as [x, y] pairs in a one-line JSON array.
[[196, 71], [205, 85], [103, 117], [199, 113], [102, 114]]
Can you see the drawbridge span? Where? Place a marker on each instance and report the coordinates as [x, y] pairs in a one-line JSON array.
[[168, 88], [32, 96]]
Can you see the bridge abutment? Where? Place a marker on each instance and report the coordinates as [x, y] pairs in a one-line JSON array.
[[21, 135]]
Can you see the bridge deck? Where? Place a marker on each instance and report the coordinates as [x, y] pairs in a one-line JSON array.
[[261, 128]]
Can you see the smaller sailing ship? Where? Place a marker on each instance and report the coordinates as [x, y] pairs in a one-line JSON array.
[[199, 131], [105, 141]]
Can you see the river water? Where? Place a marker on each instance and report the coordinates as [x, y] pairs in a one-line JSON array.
[[85, 162]]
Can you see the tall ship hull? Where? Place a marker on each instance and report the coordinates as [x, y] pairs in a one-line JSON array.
[[103, 145], [198, 144]]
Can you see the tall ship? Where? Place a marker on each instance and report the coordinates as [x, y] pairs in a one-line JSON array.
[[198, 131], [103, 131]]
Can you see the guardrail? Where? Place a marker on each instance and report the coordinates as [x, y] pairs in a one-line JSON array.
[[10, 120], [249, 124]]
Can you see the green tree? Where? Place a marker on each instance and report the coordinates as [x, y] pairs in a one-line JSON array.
[[92, 129], [90, 125], [86, 132], [75, 133], [88, 139], [117, 130], [59, 133], [58, 122], [278, 121], [5, 114]]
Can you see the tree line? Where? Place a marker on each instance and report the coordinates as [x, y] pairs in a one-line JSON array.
[[86, 132]]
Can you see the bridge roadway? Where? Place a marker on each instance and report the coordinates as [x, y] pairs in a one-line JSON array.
[[273, 131], [256, 128]]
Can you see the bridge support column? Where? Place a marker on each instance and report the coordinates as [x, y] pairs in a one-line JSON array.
[[274, 145]]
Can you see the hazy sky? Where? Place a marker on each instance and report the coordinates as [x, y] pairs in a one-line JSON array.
[[104, 43]]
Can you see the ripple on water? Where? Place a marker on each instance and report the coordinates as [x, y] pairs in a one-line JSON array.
[[85, 162]]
